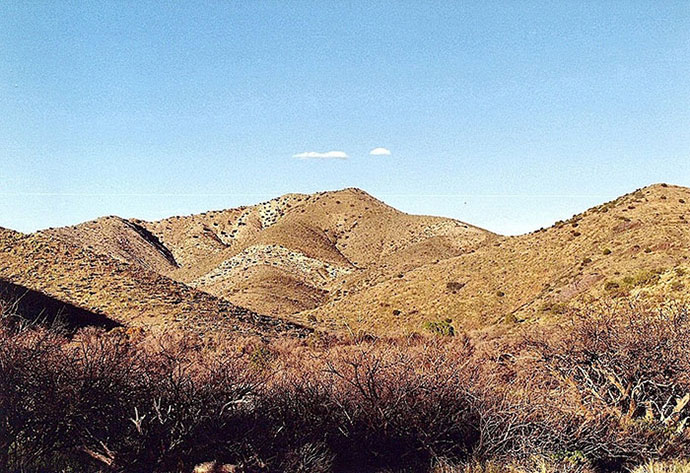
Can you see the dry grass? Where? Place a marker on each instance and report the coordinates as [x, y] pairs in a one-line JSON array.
[[536, 270], [345, 261]]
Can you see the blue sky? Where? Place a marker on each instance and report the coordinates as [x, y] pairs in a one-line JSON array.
[[508, 115]]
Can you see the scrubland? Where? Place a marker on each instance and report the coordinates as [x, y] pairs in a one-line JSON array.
[[605, 390]]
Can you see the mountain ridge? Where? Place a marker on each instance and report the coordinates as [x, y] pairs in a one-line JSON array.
[[344, 259]]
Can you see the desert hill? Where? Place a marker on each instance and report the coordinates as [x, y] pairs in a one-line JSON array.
[[635, 246], [126, 293], [320, 239], [345, 259], [121, 239], [281, 256]]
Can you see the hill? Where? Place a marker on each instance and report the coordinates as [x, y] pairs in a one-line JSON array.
[[344, 259], [282, 256], [128, 294], [635, 246]]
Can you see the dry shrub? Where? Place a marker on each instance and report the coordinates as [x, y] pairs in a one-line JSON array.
[[32, 396], [379, 404], [104, 401], [609, 390]]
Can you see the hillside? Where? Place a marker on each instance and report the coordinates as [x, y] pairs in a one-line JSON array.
[[126, 293], [636, 245], [345, 259], [282, 256], [36, 307], [121, 239], [293, 260]]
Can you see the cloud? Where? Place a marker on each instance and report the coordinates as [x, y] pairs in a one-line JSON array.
[[380, 152], [317, 155]]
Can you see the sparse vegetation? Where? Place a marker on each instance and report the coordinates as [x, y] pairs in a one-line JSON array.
[[454, 286], [641, 278], [546, 382], [558, 308], [441, 327]]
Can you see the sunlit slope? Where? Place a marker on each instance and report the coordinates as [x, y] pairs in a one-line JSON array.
[[282, 256], [298, 258], [636, 246]]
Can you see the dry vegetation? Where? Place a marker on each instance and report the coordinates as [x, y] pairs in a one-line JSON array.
[[433, 345], [279, 257], [638, 241], [606, 391]]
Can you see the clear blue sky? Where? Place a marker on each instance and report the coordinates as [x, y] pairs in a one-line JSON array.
[[508, 115]]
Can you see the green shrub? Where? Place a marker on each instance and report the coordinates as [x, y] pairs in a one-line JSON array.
[[261, 357], [442, 327]]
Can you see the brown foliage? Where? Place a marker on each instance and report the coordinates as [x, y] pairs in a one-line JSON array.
[[606, 391]]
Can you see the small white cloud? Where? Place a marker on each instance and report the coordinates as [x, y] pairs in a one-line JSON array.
[[380, 152], [317, 155]]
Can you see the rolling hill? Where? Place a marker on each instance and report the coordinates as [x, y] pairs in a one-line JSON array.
[[282, 256], [635, 246], [343, 259], [125, 293]]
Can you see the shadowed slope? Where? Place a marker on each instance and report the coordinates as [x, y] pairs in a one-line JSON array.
[[16, 300]]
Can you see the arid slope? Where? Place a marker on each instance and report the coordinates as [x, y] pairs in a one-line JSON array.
[[282, 256], [637, 246], [344, 259], [124, 292]]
